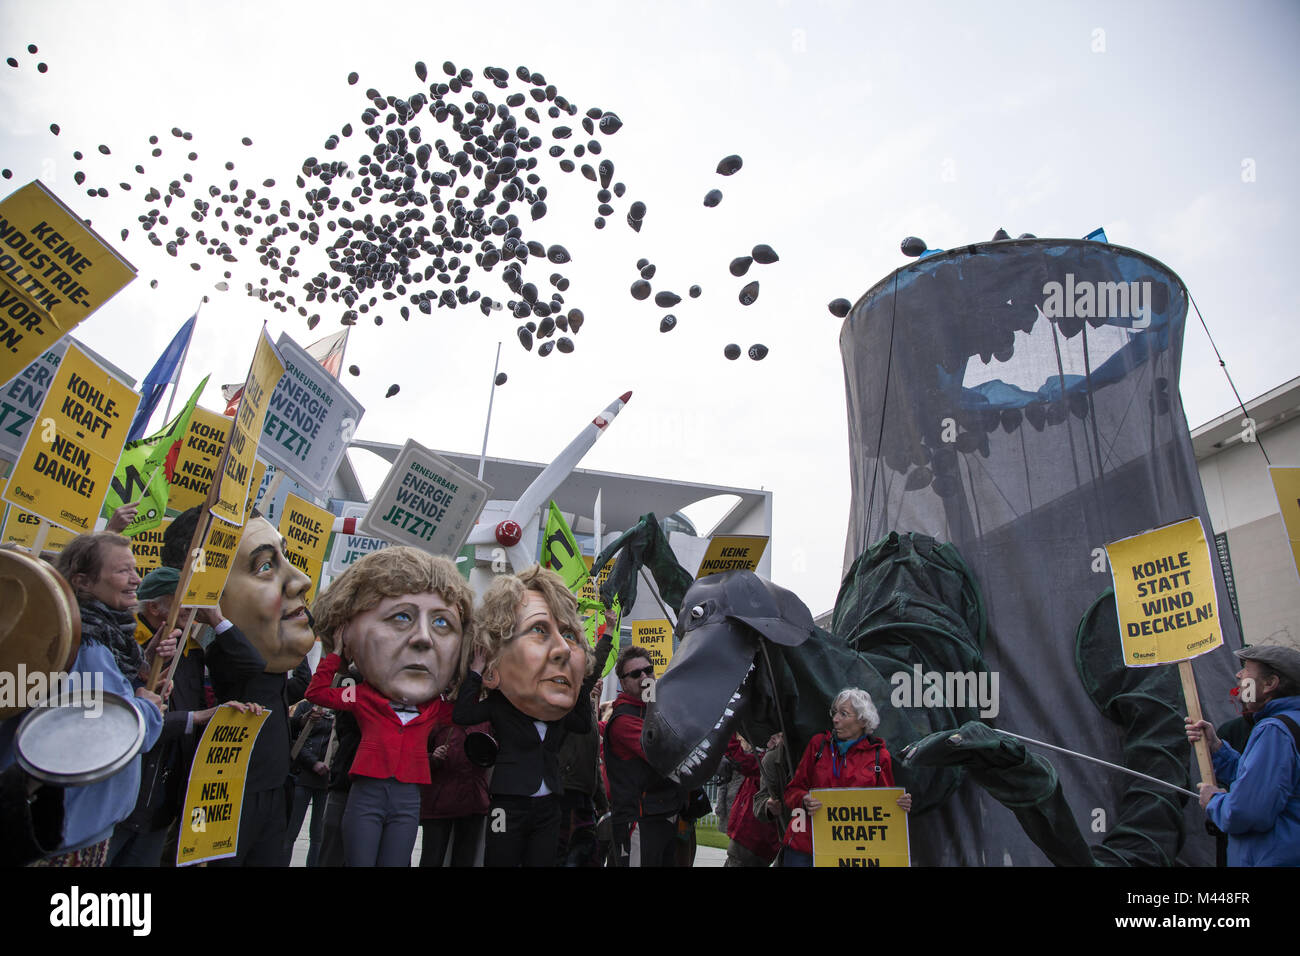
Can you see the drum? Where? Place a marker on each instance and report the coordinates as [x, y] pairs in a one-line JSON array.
[[40, 625]]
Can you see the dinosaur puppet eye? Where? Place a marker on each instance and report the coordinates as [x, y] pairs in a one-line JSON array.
[[697, 612]]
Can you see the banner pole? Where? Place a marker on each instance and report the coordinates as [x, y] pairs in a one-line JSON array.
[[1193, 701], [482, 458], [1104, 763], [176, 379]]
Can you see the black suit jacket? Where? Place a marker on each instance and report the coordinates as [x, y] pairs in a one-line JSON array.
[[524, 759], [238, 672]]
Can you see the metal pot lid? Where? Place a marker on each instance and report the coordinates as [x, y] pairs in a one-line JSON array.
[[75, 742]]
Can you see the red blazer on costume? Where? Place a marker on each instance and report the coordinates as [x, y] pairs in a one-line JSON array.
[[388, 747]]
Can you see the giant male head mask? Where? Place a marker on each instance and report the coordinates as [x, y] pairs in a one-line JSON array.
[[264, 598], [401, 615]]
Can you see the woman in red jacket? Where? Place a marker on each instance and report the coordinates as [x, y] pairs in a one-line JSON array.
[[401, 616], [847, 757]]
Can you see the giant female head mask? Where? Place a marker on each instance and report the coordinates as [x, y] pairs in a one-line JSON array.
[[533, 643], [401, 615]]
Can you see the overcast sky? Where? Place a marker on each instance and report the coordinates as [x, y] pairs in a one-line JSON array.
[[1172, 125]]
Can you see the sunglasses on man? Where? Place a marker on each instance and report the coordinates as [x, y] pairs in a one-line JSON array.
[[648, 671]]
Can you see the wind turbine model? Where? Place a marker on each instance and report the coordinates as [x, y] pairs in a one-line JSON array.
[[512, 526]]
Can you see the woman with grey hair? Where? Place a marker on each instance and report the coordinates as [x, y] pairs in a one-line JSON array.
[[847, 756]]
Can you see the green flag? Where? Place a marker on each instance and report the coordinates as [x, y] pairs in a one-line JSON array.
[[145, 470], [560, 551]]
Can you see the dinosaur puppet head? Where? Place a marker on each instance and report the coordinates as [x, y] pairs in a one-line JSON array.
[[710, 687]]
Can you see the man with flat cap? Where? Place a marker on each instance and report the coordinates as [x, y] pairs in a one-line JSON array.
[[1261, 814]]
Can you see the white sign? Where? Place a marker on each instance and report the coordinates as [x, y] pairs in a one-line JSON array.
[[21, 398], [309, 421], [426, 502], [347, 549]]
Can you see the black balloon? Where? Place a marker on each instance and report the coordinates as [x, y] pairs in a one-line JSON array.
[[668, 323], [353, 370], [694, 291], [749, 294], [839, 307], [564, 344], [740, 265], [666, 299], [640, 289], [501, 378], [912, 246], [758, 352], [525, 338], [545, 349], [764, 254], [732, 352], [557, 254], [392, 390], [712, 198], [636, 211], [729, 164]]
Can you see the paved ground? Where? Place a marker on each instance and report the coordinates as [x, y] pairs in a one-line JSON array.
[[704, 856]]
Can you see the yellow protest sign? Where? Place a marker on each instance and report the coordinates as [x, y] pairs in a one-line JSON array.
[[212, 563], [1286, 482], [306, 532], [263, 375], [197, 462], [591, 587], [732, 553], [69, 458], [657, 638], [1164, 592], [860, 827], [54, 272], [21, 527], [209, 828], [147, 548]]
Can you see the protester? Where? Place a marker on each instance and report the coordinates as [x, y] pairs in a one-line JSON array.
[[847, 756], [342, 749], [1261, 812], [101, 570], [453, 808], [530, 653], [774, 774], [401, 614], [140, 839], [310, 775], [642, 801], [580, 772], [753, 842], [260, 632]]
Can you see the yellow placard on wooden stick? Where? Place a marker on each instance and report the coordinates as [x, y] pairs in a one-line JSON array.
[[860, 827], [657, 638], [1286, 482], [213, 562], [306, 532], [65, 467], [735, 552], [237, 467], [147, 548], [197, 462], [1164, 593], [209, 827], [55, 271], [21, 528]]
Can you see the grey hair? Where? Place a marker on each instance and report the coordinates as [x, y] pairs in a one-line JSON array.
[[860, 701]]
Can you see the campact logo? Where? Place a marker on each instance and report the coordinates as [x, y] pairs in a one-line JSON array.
[[1098, 300]]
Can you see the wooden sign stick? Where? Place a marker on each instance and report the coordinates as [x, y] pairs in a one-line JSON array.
[[1193, 701]]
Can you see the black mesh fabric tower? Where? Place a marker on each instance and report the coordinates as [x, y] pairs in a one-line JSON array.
[[1020, 400]]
